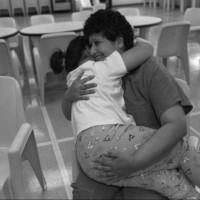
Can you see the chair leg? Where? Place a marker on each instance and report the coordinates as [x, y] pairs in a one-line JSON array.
[[173, 4], [144, 3], [165, 62], [193, 3], [31, 154], [154, 3], [7, 190], [168, 4], [20, 52]]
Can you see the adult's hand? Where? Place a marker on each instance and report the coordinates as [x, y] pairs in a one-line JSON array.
[[115, 165], [80, 88]]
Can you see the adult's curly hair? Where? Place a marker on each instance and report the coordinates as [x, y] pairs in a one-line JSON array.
[[111, 24]]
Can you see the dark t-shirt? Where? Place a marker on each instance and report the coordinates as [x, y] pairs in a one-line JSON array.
[[149, 91]]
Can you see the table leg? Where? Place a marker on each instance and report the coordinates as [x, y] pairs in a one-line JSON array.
[[21, 54], [144, 33], [193, 3], [182, 5]]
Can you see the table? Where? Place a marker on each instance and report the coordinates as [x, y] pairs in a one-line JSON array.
[[143, 23], [6, 32], [38, 30]]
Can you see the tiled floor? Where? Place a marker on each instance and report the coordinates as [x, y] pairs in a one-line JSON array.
[[53, 132]]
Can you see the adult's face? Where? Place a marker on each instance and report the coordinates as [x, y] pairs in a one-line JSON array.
[[100, 47]]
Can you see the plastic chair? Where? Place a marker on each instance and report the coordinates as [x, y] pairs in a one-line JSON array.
[[14, 42], [192, 15], [31, 7], [98, 6], [172, 41], [168, 3], [10, 64], [48, 44], [5, 9], [17, 142], [17, 7], [85, 5], [154, 2], [129, 11], [45, 6], [40, 19], [81, 15]]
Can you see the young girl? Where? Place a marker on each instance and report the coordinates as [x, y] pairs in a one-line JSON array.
[[101, 123]]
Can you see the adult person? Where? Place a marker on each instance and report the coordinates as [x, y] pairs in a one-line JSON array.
[[142, 87]]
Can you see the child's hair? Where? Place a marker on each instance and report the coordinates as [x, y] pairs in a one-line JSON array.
[[69, 60]]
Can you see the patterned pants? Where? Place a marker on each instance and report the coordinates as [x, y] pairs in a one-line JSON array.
[[161, 177]]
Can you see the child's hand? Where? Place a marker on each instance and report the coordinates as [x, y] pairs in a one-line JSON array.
[[79, 89]]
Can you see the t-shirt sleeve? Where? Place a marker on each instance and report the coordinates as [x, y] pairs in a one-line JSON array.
[[165, 93], [112, 66]]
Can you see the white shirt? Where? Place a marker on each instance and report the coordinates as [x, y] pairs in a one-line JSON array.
[[106, 105]]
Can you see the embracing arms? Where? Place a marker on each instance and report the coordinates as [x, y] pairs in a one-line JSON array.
[[173, 128], [79, 89], [138, 54]]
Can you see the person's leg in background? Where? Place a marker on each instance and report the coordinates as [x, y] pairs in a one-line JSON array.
[[86, 188], [140, 193]]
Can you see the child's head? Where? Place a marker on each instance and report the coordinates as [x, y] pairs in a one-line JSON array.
[[75, 54], [110, 24]]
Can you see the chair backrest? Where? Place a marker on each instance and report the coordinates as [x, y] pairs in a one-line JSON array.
[[81, 15], [192, 15], [173, 38], [98, 6], [5, 8], [51, 42], [45, 6], [10, 22], [85, 4], [17, 7], [31, 7], [41, 19], [129, 11], [12, 114]]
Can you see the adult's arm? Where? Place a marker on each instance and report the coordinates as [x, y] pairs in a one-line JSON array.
[[138, 54], [77, 91], [173, 128], [80, 89]]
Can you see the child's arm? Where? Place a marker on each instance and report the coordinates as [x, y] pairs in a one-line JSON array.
[[138, 54]]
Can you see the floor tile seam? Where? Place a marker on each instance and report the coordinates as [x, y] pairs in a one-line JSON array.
[[61, 164], [67, 139]]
